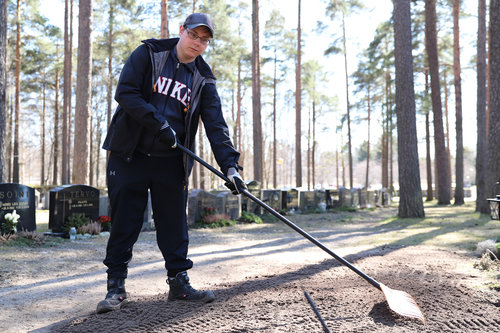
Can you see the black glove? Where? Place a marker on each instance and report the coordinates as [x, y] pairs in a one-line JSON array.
[[167, 136], [236, 184]]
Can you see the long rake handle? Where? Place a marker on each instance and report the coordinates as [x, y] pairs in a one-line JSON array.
[[285, 220]]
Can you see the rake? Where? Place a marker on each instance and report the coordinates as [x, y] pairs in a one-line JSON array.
[[399, 301]]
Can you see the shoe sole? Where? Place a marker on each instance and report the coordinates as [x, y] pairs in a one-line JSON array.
[[104, 306], [209, 297]]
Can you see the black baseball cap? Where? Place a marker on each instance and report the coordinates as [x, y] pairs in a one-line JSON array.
[[197, 19]]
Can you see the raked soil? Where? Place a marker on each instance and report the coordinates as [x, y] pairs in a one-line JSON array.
[[259, 274]]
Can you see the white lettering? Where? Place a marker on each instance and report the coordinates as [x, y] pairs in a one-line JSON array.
[[160, 84], [177, 90], [186, 96]]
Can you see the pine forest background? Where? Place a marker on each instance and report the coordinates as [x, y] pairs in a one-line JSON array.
[[307, 107]]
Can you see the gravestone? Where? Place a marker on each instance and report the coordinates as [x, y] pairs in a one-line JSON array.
[[355, 198], [370, 199], [332, 198], [21, 198], [248, 205], [198, 201], [293, 199], [309, 200], [345, 197], [67, 200], [229, 204], [273, 198]]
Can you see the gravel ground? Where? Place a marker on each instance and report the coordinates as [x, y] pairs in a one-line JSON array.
[[259, 274]]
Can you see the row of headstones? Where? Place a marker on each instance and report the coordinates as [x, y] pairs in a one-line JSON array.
[[64, 201], [82, 199], [223, 202]]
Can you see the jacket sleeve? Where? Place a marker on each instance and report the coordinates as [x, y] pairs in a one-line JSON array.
[[134, 90], [216, 129]]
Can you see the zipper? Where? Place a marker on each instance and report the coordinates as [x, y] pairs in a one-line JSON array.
[[170, 88]]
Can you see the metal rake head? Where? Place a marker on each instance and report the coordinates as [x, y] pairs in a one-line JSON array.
[[402, 303]]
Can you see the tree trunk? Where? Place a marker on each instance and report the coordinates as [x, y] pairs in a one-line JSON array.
[[42, 167], [298, 105], [481, 150], [3, 91], [98, 150], [447, 126], [275, 83], [459, 164], [17, 149], [349, 144], [164, 19], [110, 82], [257, 125], [367, 181], [91, 152], [67, 89], [202, 153], [442, 162], [55, 170], [428, 159], [494, 107], [410, 204], [313, 153], [83, 94], [309, 151]]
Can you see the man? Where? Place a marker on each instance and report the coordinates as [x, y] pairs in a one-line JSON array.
[[164, 88]]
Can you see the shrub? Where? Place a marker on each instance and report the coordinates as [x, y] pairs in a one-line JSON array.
[[93, 228], [75, 220], [248, 217], [214, 220]]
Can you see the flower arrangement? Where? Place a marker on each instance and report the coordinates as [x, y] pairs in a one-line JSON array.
[[10, 224], [105, 222], [210, 217]]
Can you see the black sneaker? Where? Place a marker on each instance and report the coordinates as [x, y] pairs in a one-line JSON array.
[[115, 298], [180, 289]]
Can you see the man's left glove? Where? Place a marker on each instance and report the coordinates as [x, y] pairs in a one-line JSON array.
[[236, 184]]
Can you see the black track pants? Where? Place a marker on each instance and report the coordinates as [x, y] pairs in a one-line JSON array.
[[128, 185]]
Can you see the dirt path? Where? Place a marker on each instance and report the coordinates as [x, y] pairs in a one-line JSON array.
[[259, 274]]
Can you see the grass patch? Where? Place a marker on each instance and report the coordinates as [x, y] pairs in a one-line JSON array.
[[248, 217], [448, 226], [215, 224]]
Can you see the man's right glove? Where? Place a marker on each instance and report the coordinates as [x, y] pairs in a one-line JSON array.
[[167, 136], [236, 184]]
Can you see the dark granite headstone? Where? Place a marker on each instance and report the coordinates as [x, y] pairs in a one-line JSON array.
[[272, 198], [21, 198], [198, 202], [293, 200], [228, 204], [307, 200], [248, 205], [332, 198], [345, 197], [67, 200]]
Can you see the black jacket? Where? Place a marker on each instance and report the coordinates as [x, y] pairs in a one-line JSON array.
[[135, 114]]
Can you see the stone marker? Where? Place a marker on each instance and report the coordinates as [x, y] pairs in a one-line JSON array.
[[293, 200], [273, 198], [67, 200], [21, 198], [248, 205]]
